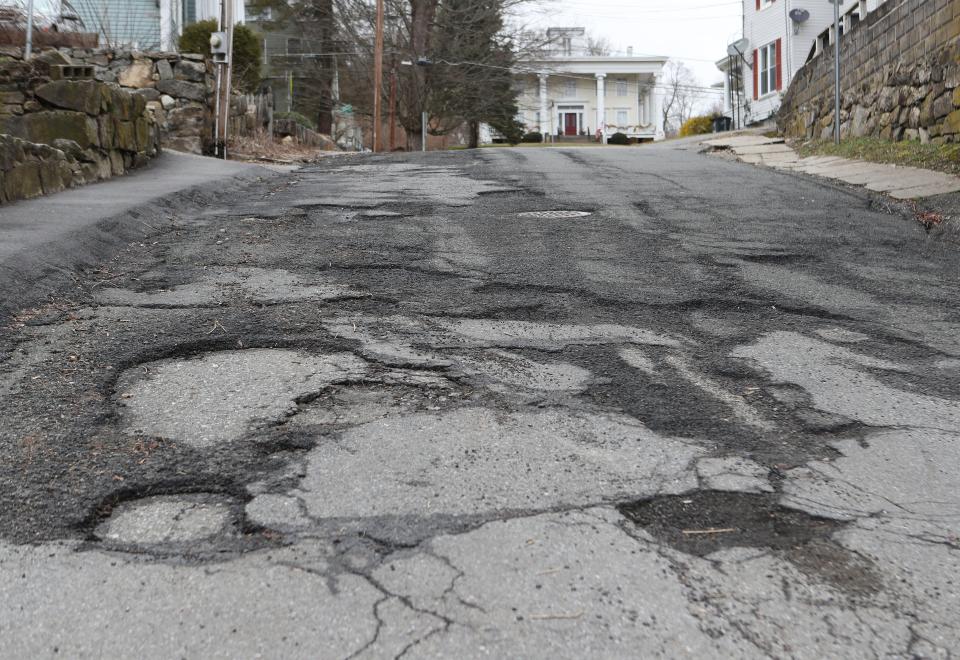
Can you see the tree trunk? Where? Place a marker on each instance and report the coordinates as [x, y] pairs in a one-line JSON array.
[[324, 9], [422, 16], [474, 135]]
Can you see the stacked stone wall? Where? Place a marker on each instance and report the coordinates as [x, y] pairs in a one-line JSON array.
[[179, 89], [900, 78], [63, 133]]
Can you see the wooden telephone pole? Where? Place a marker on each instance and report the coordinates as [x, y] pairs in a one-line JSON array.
[[224, 72], [393, 108], [377, 78]]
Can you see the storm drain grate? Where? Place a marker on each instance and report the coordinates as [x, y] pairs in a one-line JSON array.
[[553, 214]]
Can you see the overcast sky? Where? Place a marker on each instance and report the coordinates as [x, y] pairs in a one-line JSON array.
[[695, 31]]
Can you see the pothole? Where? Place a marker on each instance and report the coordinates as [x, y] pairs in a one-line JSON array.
[[707, 521], [169, 520], [217, 397], [474, 461], [265, 286], [554, 215], [510, 371]]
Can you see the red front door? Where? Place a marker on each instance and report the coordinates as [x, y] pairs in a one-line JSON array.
[[570, 123]]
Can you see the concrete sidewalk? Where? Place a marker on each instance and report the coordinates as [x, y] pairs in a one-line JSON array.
[[894, 180], [44, 241]]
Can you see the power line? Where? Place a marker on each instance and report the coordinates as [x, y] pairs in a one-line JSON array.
[[632, 8]]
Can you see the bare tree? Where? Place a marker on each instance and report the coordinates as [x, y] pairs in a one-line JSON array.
[[680, 95], [599, 46], [465, 52]]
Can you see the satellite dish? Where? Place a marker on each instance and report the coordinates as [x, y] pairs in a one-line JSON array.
[[799, 15], [738, 47]]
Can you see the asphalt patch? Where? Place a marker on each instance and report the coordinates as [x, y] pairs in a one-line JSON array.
[[707, 521]]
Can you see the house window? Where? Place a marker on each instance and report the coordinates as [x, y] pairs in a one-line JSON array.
[[621, 87], [622, 117], [570, 87], [763, 4], [189, 12], [293, 46], [768, 68], [566, 46]]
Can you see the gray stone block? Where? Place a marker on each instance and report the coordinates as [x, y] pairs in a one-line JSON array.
[[190, 71], [183, 89], [164, 70], [79, 95]]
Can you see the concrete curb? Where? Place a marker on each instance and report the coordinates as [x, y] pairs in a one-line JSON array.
[[32, 271]]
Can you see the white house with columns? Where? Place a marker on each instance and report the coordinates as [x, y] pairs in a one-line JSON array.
[[569, 94]]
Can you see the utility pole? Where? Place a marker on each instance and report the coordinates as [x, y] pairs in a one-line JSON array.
[[377, 77], [836, 71], [228, 76], [222, 120], [28, 48], [393, 108]]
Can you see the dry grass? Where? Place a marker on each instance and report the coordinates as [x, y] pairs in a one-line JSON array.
[[264, 147]]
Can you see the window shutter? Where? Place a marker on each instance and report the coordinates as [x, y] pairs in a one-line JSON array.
[[756, 74], [758, 5], [779, 64]]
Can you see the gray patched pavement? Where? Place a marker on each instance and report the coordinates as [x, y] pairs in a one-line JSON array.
[[368, 409]]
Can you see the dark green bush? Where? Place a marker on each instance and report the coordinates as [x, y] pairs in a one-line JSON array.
[[511, 130], [618, 138], [532, 136], [247, 54]]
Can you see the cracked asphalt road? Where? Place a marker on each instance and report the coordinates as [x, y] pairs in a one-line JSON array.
[[366, 409]]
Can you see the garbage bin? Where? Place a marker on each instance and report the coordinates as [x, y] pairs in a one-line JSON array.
[[721, 124]]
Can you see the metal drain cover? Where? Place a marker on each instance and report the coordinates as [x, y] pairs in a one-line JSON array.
[[553, 214]]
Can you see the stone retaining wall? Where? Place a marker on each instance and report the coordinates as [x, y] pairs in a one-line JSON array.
[[179, 90], [64, 133], [900, 78], [30, 170]]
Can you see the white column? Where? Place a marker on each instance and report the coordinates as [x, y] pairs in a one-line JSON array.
[[601, 107], [166, 25], [651, 109], [658, 107], [639, 101], [544, 117], [727, 101], [647, 105]]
